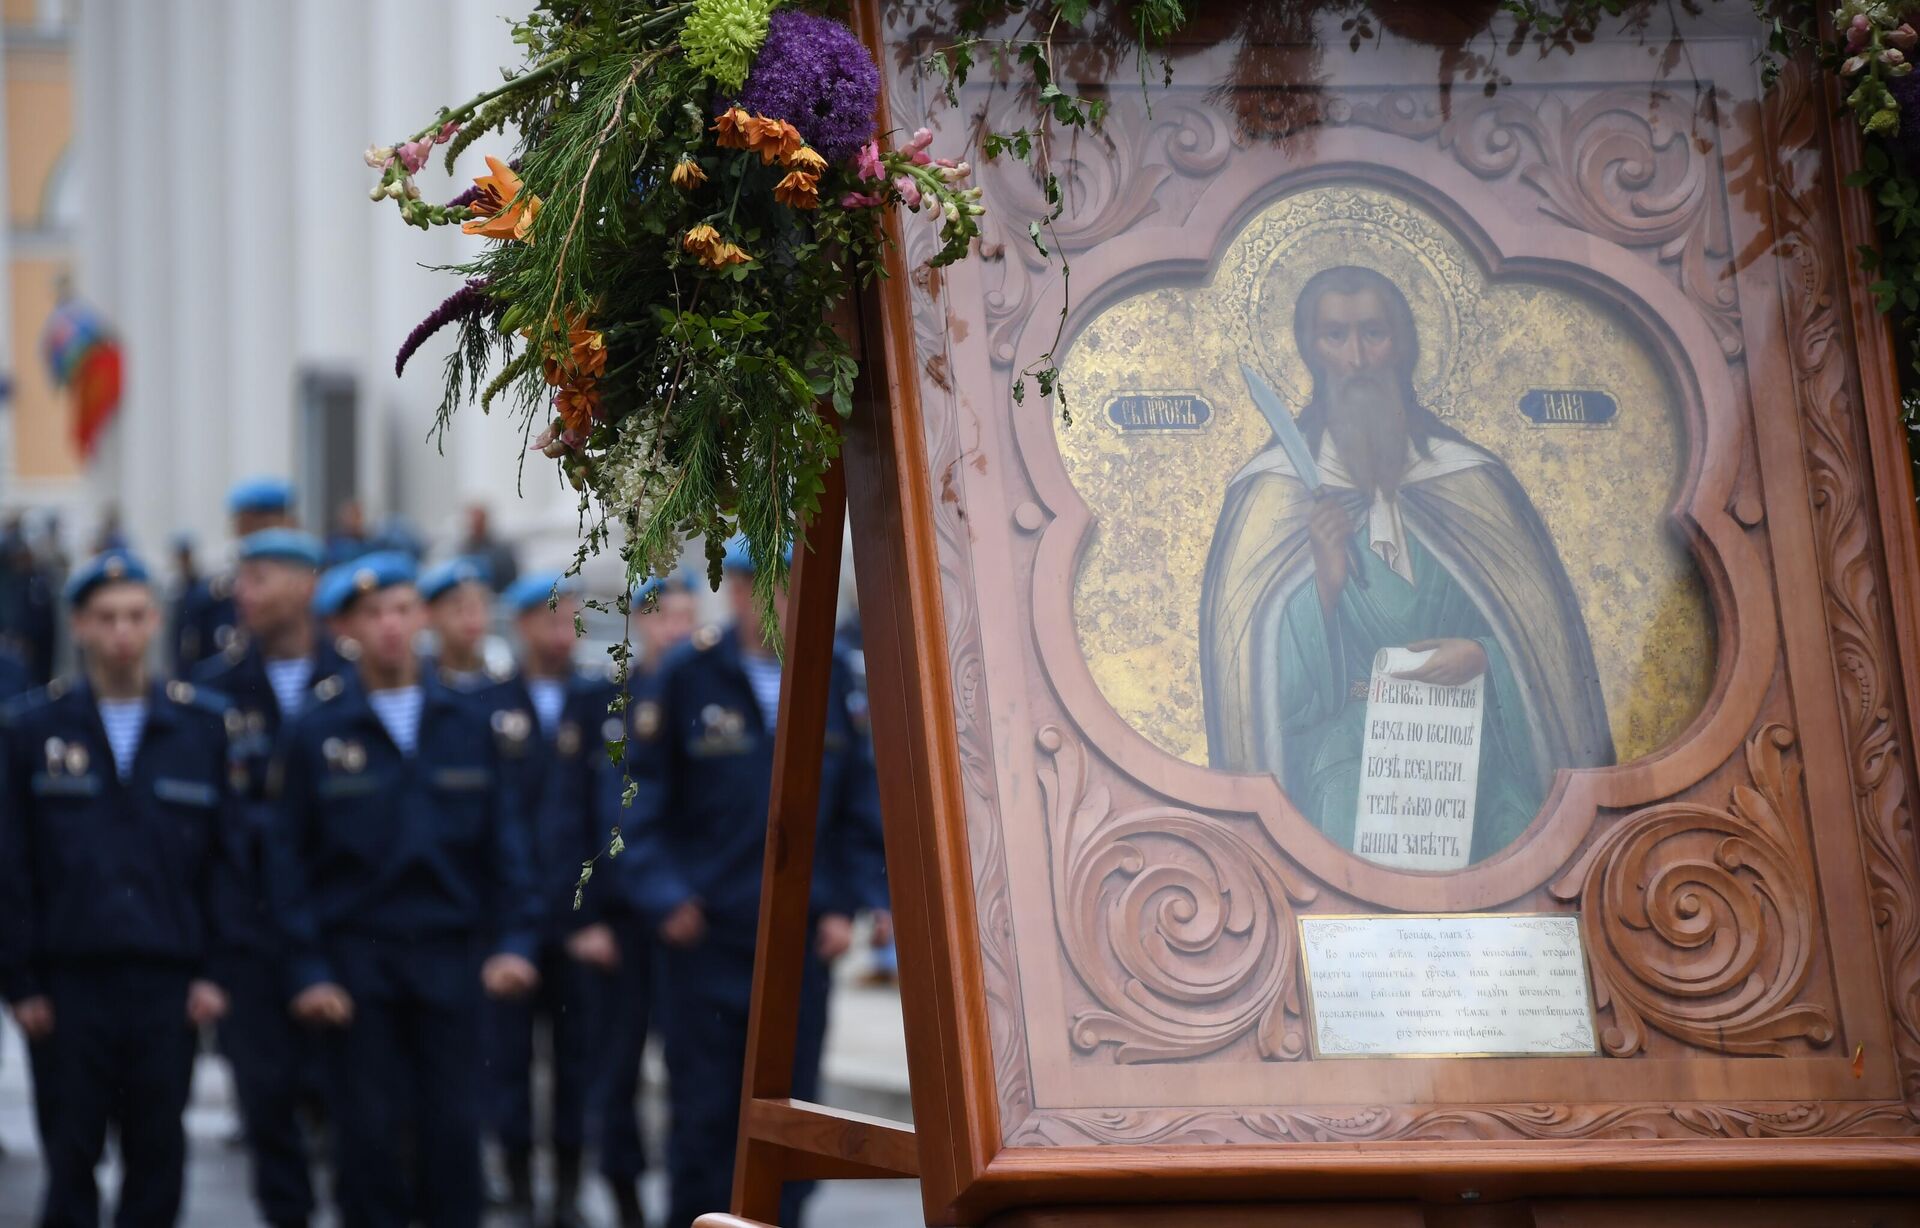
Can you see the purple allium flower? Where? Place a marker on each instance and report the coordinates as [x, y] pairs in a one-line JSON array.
[[1906, 92], [815, 74], [469, 300]]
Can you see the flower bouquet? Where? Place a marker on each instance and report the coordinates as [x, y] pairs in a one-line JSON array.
[[697, 187]]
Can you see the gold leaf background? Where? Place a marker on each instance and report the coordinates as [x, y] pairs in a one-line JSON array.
[[1604, 491]]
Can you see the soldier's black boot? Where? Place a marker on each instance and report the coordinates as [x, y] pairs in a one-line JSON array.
[[566, 1189], [520, 1187], [626, 1196]]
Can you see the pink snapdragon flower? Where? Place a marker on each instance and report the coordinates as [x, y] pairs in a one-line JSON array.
[[861, 200], [908, 189], [867, 163]]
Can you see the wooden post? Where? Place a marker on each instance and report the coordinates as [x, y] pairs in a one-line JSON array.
[[793, 813]]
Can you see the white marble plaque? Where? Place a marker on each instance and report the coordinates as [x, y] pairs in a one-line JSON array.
[[1447, 985], [1420, 767]]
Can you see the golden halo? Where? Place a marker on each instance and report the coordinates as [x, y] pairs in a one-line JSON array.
[[1322, 228]]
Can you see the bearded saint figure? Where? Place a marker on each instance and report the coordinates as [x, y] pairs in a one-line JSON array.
[[1421, 540]]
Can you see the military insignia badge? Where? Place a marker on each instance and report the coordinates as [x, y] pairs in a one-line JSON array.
[[646, 720], [567, 741], [76, 759], [56, 751]]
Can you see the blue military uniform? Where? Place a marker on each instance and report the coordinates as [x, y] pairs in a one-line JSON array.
[[106, 909], [629, 1007], [701, 754], [393, 875], [14, 678], [573, 801], [205, 620], [272, 1058]]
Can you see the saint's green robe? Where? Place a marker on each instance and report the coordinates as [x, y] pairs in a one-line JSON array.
[[1280, 686], [1321, 677]]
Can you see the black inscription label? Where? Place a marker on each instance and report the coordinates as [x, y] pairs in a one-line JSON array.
[[1568, 407], [1159, 411]]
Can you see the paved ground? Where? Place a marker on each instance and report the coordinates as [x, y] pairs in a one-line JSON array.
[[865, 1069]]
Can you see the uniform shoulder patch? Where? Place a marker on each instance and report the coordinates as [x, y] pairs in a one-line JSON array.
[[328, 688], [349, 650], [236, 650], [180, 692], [706, 637], [58, 687]]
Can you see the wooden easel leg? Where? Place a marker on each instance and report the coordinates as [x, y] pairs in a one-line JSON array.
[[786, 880]]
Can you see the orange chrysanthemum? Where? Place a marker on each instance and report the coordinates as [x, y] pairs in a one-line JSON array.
[[504, 210], [798, 190], [773, 139], [687, 175], [731, 128], [806, 159], [578, 403]]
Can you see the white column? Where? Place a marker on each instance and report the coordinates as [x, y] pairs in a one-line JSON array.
[[411, 60], [326, 196], [138, 206], [204, 175], [259, 290]]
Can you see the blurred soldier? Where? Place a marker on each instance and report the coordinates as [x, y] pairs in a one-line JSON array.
[[267, 672], [662, 618], [701, 755], [27, 592], [349, 540], [399, 872], [114, 809], [574, 803], [205, 617], [460, 611], [503, 565]]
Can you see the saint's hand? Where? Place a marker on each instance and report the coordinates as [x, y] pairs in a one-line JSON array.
[[508, 976], [35, 1016], [325, 1005], [206, 1003], [1328, 528], [1452, 663], [595, 946]]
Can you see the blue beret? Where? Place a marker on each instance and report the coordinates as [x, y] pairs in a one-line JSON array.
[[532, 590], [107, 567], [372, 572], [442, 578], [260, 495], [739, 558], [676, 582], [331, 591], [281, 546]]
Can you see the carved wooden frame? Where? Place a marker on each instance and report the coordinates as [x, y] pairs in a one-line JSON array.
[[1815, 472]]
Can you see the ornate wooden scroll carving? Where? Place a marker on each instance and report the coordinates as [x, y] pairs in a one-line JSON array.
[[1700, 922], [1857, 630], [1623, 165], [1006, 1017], [1376, 1123], [1182, 930]]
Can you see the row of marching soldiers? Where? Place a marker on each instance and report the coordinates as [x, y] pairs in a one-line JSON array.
[[365, 866]]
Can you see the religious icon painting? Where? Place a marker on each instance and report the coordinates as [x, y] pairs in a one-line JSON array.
[[1438, 614]]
